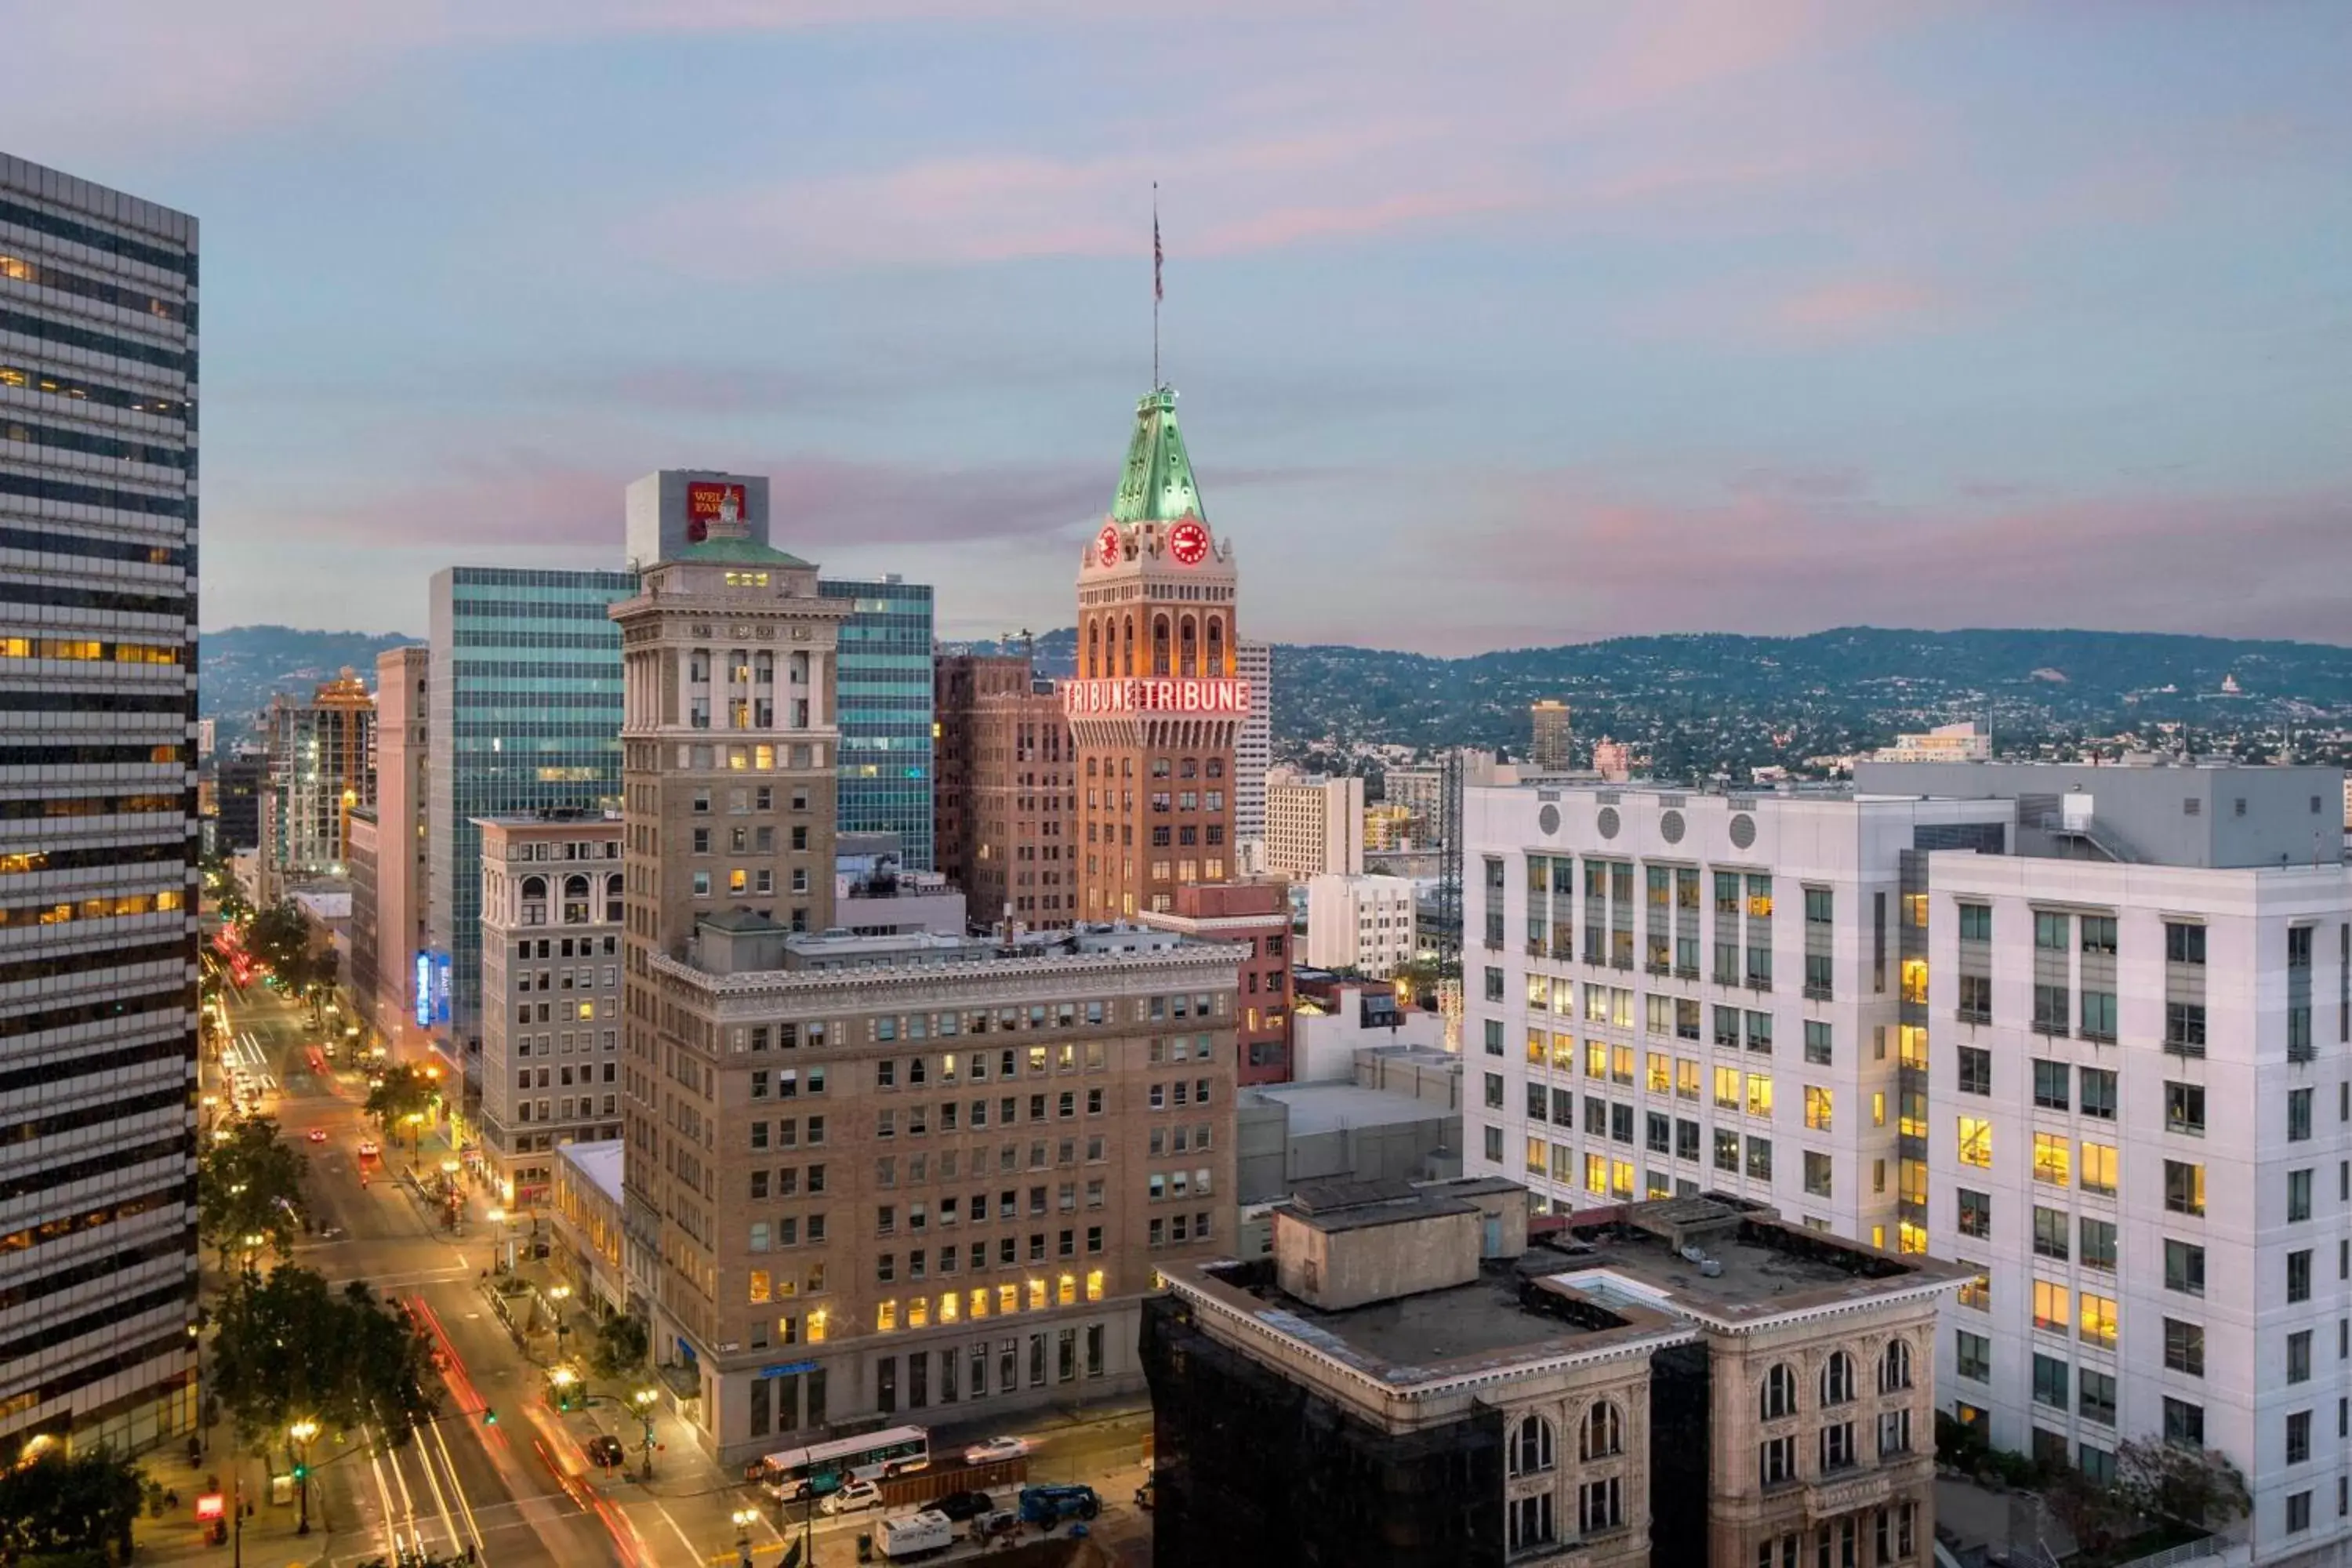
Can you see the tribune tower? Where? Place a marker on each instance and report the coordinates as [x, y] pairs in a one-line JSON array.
[[1157, 705]]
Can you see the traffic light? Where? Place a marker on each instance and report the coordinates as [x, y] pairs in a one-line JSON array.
[[301, 1472], [489, 1417]]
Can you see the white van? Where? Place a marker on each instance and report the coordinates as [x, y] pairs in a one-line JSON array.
[[914, 1535]]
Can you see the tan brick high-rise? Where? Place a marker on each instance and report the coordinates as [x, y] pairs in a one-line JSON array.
[[1157, 707]]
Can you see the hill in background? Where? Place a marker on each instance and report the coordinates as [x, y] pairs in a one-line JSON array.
[[1694, 703]]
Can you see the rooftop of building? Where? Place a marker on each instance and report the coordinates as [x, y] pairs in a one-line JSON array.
[[1610, 1281], [1507, 1319], [725, 552], [748, 946], [600, 1162], [1316, 1108], [1729, 1262], [572, 817]]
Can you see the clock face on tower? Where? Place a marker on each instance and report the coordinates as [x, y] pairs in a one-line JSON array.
[[1187, 541], [1106, 546]]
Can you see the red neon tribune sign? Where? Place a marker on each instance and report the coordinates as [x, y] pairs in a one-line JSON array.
[[1156, 695]]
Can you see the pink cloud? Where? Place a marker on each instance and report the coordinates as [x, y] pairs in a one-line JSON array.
[[1860, 307], [1610, 563]]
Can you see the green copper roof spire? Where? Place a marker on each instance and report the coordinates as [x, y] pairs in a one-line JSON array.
[[1156, 486]]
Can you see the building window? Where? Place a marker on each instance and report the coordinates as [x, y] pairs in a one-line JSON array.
[[1775, 1461], [1779, 1397], [1532, 1521], [1976, 1071], [1599, 1506], [2184, 1187], [1837, 1447], [1972, 1356], [2184, 1267], [2052, 1308], [2184, 1347], [1837, 1379], [2184, 1424], [1976, 1141], [2050, 1382], [1975, 1213], [1532, 1451], [2184, 1109], [1604, 1432], [2096, 1397], [2298, 1437]]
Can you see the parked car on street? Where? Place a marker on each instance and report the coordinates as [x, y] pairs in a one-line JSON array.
[[962, 1506], [605, 1450], [1050, 1505]]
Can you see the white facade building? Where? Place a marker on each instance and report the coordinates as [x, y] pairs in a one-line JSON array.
[[2085, 1029], [1967, 741], [1363, 923], [1314, 824], [1253, 750], [550, 991]]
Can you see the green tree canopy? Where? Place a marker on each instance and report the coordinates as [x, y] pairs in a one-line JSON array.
[[290, 1347], [406, 1089], [63, 1503], [620, 1348], [250, 1184]]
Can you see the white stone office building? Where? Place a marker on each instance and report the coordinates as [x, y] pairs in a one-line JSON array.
[[551, 992], [98, 812], [2085, 1028], [1359, 923]]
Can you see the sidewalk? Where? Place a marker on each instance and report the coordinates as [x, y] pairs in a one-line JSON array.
[[179, 1538]]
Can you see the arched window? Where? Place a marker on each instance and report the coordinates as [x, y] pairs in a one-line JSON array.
[[1127, 653], [575, 900], [535, 887], [1604, 1433], [534, 900], [612, 896], [1094, 648], [1160, 645], [1216, 648], [1895, 1367], [1837, 1379], [1188, 647], [1531, 1448], [1779, 1393]]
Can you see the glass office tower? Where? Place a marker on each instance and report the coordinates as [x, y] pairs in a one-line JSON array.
[[98, 813], [885, 697], [524, 714]]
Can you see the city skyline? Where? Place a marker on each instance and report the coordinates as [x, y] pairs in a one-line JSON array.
[[1674, 319]]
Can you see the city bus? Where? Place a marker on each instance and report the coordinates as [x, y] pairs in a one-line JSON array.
[[822, 1468]]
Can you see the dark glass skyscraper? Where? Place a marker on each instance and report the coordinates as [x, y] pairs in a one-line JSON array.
[[524, 714], [884, 694], [98, 816]]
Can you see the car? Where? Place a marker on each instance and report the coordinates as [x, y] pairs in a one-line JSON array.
[[960, 1506], [854, 1498], [317, 1135], [998, 1450], [1049, 1506], [367, 1148], [605, 1450]]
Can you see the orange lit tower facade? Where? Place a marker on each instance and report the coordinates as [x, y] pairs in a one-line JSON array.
[[1157, 705]]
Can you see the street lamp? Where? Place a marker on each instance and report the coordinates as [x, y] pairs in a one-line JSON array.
[[415, 1120], [302, 1432], [743, 1518], [498, 1218], [643, 1400], [561, 1378], [559, 1294]]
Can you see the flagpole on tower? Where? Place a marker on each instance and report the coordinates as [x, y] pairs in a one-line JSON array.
[[1157, 293]]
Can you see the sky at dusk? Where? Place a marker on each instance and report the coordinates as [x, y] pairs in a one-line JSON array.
[[1495, 323]]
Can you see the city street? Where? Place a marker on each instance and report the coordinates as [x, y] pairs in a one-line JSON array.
[[520, 1489]]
